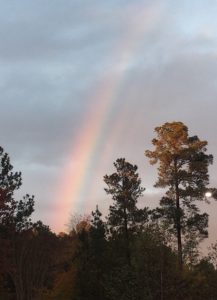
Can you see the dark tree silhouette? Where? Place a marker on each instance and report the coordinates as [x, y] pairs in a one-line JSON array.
[[125, 187]]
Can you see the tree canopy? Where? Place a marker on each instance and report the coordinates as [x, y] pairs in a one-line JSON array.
[[183, 169]]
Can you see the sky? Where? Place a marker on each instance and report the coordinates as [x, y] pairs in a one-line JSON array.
[[86, 82]]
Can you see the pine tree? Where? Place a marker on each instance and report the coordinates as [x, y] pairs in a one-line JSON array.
[[125, 187], [183, 169], [97, 233], [14, 214], [15, 218]]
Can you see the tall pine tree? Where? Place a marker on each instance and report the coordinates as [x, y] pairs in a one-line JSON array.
[[183, 169], [125, 187]]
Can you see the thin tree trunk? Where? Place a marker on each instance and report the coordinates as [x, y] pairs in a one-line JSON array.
[[178, 217], [127, 238], [161, 285]]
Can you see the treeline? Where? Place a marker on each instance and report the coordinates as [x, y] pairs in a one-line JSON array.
[[132, 253]]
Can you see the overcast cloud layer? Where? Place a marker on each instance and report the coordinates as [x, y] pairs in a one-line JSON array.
[[54, 55]]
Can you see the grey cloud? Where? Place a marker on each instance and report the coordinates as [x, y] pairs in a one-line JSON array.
[[54, 56], [184, 89], [51, 32]]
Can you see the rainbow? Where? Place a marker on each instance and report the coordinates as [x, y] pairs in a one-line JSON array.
[[86, 148]]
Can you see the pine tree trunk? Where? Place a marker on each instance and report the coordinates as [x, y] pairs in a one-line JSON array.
[[178, 217], [179, 236], [127, 238]]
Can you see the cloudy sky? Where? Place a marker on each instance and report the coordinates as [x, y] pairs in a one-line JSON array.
[[86, 82]]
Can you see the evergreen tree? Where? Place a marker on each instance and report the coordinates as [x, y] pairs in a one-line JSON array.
[[97, 234], [183, 168], [125, 187], [91, 259], [15, 216]]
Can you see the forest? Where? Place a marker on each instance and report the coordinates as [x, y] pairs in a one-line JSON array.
[[133, 252]]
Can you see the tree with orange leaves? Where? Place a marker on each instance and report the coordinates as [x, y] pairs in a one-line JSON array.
[[183, 169]]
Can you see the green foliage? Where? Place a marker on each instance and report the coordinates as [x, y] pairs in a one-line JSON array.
[[124, 217], [15, 219], [91, 262], [130, 256], [14, 214], [27, 249]]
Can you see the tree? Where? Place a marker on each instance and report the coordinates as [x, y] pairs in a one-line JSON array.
[[36, 252], [91, 262], [125, 187], [97, 235], [15, 215], [9, 182], [183, 169]]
